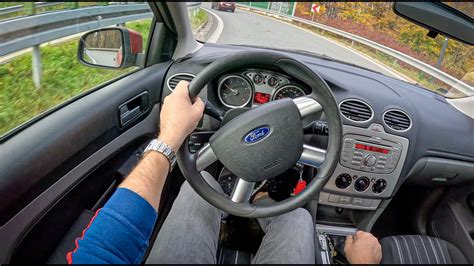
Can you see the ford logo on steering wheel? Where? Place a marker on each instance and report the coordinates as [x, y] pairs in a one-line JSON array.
[[257, 134]]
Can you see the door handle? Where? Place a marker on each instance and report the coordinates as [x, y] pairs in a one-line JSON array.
[[133, 108]]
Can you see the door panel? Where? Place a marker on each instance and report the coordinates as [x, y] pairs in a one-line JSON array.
[[42, 163]]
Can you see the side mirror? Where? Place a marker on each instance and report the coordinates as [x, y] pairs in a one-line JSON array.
[[438, 18], [110, 48]]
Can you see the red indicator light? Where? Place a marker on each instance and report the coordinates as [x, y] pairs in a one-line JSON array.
[[261, 97]]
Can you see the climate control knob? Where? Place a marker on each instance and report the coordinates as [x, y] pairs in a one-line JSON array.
[[343, 181], [370, 160], [362, 184], [379, 186]]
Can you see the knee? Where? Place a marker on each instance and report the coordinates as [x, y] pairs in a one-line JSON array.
[[301, 218]]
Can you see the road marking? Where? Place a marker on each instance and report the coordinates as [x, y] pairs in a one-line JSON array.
[[219, 28], [397, 75]]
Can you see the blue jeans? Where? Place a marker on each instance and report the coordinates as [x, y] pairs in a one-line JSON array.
[[191, 230]]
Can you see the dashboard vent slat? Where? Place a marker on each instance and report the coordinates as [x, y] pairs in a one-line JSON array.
[[176, 78], [397, 120], [356, 110]]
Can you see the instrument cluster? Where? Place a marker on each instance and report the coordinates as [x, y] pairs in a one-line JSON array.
[[254, 87]]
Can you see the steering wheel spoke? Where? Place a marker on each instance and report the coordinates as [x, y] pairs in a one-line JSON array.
[[307, 105], [205, 157], [312, 156], [242, 190]]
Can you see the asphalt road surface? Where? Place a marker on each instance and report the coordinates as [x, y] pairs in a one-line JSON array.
[[244, 27]]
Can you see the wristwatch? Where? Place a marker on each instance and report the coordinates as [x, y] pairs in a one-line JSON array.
[[163, 148]]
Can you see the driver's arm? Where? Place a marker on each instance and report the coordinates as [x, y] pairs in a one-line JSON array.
[[119, 232]]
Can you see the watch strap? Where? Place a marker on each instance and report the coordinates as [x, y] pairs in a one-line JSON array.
[[163, 148]]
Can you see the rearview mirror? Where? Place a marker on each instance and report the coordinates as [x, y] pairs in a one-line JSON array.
[[438, 18], [110, 48]]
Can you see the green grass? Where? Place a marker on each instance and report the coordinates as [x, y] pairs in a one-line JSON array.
[[198, 19], [63, 78]]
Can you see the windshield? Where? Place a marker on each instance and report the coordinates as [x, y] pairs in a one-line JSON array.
[[366, 34]]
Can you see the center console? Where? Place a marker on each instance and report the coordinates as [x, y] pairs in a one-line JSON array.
[[368, 170]]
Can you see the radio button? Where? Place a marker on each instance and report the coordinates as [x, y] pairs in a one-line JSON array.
[[345, 156], [358, 153], [392, 163], [349, 143], [370, 160], [355, 162], [395, 153]]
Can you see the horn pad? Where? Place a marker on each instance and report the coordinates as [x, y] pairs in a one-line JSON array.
[[261, 143]]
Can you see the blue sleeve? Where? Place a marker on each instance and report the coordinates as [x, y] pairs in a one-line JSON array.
[[118, 233]]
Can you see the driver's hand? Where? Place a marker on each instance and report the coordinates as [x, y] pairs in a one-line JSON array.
[[363, 248], [179, 117]]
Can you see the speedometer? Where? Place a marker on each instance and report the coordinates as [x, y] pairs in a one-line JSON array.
[[234, 91], [288, 91]]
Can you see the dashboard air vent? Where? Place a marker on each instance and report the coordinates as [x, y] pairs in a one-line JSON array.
[[176, 78], [397, 120], [356, 110]]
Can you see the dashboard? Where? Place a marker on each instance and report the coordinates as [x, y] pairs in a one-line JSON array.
[[392, 130]]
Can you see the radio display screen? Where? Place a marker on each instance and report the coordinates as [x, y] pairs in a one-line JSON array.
[[371, 148], [261, 97]]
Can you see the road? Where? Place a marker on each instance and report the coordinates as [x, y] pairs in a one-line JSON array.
[[245, 27]]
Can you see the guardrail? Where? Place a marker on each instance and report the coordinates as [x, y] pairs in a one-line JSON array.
[[18, 8], [17, 34], [31, 31], [432, 71]]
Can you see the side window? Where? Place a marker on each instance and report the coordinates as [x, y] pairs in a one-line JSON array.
[[39, 63]]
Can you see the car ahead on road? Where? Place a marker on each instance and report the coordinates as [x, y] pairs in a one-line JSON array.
[[223, 6], [369, 151]]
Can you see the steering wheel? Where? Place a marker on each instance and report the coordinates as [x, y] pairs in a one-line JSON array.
[[264, 141]]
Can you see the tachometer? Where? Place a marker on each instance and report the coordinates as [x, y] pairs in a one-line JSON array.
[[234, 91], [288, 91]]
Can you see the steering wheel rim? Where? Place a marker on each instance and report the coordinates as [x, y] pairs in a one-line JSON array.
[[191, 164]]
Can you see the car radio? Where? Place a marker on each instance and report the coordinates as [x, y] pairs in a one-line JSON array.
[[370, 154]]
